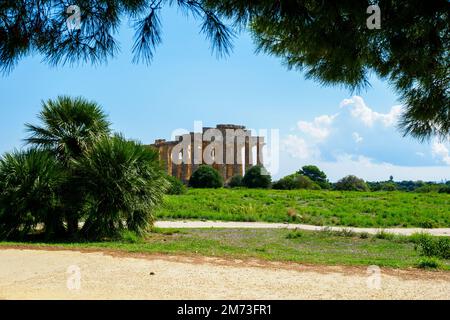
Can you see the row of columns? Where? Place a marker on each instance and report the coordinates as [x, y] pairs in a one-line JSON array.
[[184, 156]]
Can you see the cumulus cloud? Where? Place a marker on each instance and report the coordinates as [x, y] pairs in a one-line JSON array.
[[439, 150], [359, 110], [319, 128], [357, 137], [297, 147]]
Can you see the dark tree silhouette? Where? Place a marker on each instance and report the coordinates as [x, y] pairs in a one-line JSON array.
[[41, 26], [328, 40], [331, 42]]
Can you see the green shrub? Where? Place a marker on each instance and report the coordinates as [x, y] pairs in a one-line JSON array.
[[295, 234], [428, 263], [385, 235], [364, 235], [206, 177], [428, 188], [295, 181], [257, 177], [236, 181], [176, 187], [29, 185], [351, 183], [430, 246], [69, 127], [388, 186], [346, 232], [315, 175], [124, 182], [444, 189], [110, 183], [426, 224]]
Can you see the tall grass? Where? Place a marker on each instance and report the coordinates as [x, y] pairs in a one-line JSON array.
[[361, 209]]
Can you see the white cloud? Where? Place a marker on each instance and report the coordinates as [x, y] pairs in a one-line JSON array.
[[319, 128], [370, 170], [298, 148], [357, 137], [359, 109], [439, 150]]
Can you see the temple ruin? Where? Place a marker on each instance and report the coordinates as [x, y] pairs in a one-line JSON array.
[[230, 149]]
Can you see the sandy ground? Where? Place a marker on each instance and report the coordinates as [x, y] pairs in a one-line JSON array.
[[265, 225], [43, 274]]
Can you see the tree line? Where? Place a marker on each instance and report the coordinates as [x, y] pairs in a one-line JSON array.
[[308, 177]]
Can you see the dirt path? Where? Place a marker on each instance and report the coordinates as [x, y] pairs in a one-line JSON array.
[[266, 225], [41, 274]]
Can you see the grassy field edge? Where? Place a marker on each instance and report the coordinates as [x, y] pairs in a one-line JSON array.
[[303, 247]]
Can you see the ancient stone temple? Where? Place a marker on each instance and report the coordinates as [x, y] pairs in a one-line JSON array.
[[230, 149]]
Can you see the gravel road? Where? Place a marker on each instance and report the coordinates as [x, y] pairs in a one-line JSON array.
[[267, 225], [43, 274]]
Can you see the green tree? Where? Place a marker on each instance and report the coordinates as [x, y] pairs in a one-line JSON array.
[[29, 26], [206, 177], [316, 175], [257, 177], [351, 183], [29, 186], [388, 186], [69, 127], [124, 182], [328, 40], [332, 44], [236, 181], [295, 181]]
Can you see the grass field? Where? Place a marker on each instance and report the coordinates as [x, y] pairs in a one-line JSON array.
[[361, 209], [308, 247]]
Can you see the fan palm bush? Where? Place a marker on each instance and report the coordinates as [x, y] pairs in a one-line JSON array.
[[75, 171], [124, 182], [69, 127], [29, 185]]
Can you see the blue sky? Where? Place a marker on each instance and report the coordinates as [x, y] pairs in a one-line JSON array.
[[186, 83]]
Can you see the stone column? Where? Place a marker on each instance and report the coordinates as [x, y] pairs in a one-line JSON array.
[[180, 167], [187, 163], [248, 151], [259, 151], [239, 148], [169, 159], [223, 167], [229, 156], [196, 151]]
